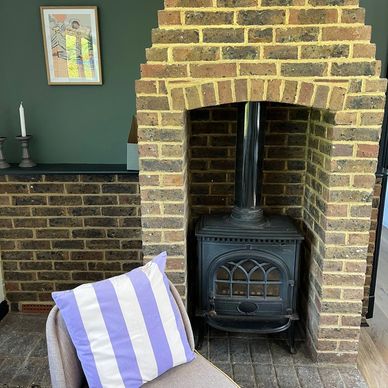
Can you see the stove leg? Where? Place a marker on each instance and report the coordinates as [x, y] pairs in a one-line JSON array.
[[200, 333], [291, 337]]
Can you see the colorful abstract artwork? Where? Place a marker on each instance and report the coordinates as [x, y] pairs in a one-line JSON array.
[[71, 43]]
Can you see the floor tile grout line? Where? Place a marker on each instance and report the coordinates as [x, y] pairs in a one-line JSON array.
[[342, 379], [269, 352], [252, 367], [320, 378], [297, 377], [307, 367]]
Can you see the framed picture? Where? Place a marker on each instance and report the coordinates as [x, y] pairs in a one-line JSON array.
[[72, 47]]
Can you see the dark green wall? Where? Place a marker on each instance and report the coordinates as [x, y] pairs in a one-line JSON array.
[[377, 17], [90, 124], [72, 124]]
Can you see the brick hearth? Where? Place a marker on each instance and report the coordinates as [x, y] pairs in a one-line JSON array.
[[313, 61]]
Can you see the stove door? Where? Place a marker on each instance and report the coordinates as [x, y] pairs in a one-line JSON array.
[[249, 283]]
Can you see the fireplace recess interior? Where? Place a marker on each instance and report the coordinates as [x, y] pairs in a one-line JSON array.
[[248, 263]]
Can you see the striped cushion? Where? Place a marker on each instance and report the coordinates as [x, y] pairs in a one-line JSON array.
[[127, 330]]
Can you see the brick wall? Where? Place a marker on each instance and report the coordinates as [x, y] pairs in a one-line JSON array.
[[59, 231], [312, 53], [212, 158], [285, 159]]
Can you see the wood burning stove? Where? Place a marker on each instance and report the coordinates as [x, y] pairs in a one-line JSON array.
[[248, 263]]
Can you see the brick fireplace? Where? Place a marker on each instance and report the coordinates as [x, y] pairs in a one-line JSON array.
[[313, 66]]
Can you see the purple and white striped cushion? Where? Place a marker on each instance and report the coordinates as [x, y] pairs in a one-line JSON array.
[[127, 330]]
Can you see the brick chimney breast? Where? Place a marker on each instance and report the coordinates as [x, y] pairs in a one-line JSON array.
[[315, 56]]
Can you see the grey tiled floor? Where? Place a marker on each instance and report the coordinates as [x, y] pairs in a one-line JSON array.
[[23, 355], [253, 361]]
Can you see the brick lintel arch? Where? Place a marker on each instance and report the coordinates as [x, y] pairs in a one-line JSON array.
[[307, 93]]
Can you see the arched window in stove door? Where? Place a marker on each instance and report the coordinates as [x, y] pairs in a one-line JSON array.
[[248, 278]]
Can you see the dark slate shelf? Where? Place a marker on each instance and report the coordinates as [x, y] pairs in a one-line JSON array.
[[44, 169]]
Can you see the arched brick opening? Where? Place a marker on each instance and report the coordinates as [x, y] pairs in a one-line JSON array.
[[307, 53], [219, 91]]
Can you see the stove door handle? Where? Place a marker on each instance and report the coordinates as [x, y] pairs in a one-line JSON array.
[[212, 307]]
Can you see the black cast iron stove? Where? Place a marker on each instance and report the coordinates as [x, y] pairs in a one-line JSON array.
[[248, 263]]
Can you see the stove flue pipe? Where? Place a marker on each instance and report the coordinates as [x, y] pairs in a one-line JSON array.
[[249, 163]]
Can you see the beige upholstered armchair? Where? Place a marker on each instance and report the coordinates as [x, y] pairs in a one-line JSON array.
[[66, 371]]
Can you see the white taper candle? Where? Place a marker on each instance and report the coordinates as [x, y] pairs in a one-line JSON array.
[[22, 120]]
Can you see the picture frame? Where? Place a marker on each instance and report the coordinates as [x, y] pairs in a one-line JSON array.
[[72, 45]]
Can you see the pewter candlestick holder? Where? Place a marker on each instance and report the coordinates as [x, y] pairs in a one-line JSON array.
[[3, 162], [26, 158]]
